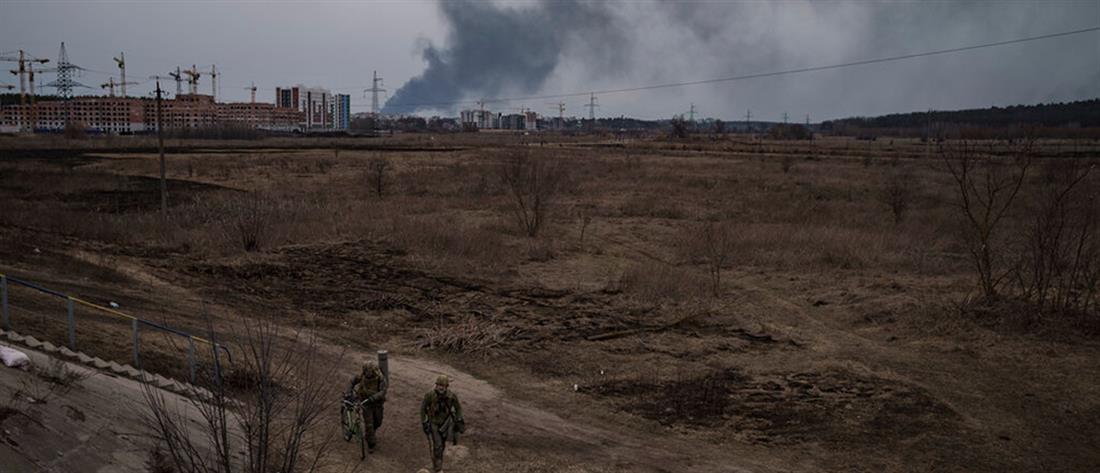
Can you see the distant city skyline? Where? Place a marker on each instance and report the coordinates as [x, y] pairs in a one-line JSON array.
[[461, 51]]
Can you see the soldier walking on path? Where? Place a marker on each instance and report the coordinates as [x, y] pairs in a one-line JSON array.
[[369, 388], [441, 418]]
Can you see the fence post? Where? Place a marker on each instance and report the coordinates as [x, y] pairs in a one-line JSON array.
[[4, 302], [72, 325], [137, 344], [384, 363], [191, 356]]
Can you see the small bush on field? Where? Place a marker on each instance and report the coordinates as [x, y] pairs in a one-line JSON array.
[[468, 335], [378, 175], [251, 220], [534, 184], [898, 193], [787, 163]]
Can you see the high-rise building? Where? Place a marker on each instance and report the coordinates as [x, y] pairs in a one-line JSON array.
[[323, 109], [341, 111]]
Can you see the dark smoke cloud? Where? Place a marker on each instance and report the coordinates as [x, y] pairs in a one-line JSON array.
[[495, 50], [551, 47]]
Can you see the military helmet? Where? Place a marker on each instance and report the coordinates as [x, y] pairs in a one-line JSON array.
[[369, 367], [442, 380]]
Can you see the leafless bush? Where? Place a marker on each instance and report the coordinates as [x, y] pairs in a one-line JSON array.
[[63, 378], [251, 219], [276, 420], [897, 194], [377, 169], [470, 335], [986, 185], [787, 163], [1060, 255], [55, 379], [714, 243], [533, 182]]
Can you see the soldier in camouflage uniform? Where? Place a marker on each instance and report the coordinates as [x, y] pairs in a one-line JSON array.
[[441, 418], [370, 386]]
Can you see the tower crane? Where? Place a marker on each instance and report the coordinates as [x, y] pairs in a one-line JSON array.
[[121, 60], [561, 109], [25, 73], [110, 86], [214, 82], [193, 79], [179, 79], [26, 63], [252, 89]]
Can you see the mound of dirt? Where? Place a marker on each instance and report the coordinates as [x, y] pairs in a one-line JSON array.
[[831, 406]]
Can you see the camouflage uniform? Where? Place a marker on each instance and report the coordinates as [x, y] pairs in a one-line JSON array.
[[370, 386], [441, 418]]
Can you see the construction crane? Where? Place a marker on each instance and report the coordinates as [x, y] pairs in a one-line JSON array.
[[252, 89], [214, 82], [193, 79], [121, 60], [26, 63], [110, 86], [179, 79]]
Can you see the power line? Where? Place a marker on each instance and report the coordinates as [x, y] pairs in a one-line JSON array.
[[770, 74]]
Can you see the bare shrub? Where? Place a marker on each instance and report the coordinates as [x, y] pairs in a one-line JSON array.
[[250, 219], [714, 244], [787, 163], [986, 185], [898, 194], [55, 379], [276, 420], [377, 170], [63, 378], [1060, 254], [470, 334], [534, 183]]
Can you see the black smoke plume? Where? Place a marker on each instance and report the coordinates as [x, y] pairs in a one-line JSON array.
[[493, 50]]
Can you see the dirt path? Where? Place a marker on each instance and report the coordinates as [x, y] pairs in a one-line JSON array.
[[504, 434]]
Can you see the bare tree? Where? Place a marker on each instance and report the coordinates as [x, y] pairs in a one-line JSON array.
[[377, 168], [533, 182], [680, 127], [715, 244], [283, 389], [897, 193], [987, 182]]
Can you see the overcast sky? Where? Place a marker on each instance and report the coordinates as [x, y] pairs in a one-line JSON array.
[[433, 54]]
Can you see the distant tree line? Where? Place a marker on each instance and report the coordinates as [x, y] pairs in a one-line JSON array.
[[1080, 114]]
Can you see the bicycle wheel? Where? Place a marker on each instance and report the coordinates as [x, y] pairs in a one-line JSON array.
[[344, 424], [362, 440]]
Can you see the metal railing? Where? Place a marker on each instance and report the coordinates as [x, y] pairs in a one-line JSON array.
[[135, 324]]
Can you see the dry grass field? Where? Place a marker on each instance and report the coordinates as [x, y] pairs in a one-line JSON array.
[[762, 305]]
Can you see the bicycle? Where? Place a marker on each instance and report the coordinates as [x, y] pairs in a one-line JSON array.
[[351, 420]]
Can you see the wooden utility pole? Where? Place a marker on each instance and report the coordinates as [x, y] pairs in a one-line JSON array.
[[160, 148]]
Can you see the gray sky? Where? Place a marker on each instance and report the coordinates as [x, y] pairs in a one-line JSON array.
[[461, 51]]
